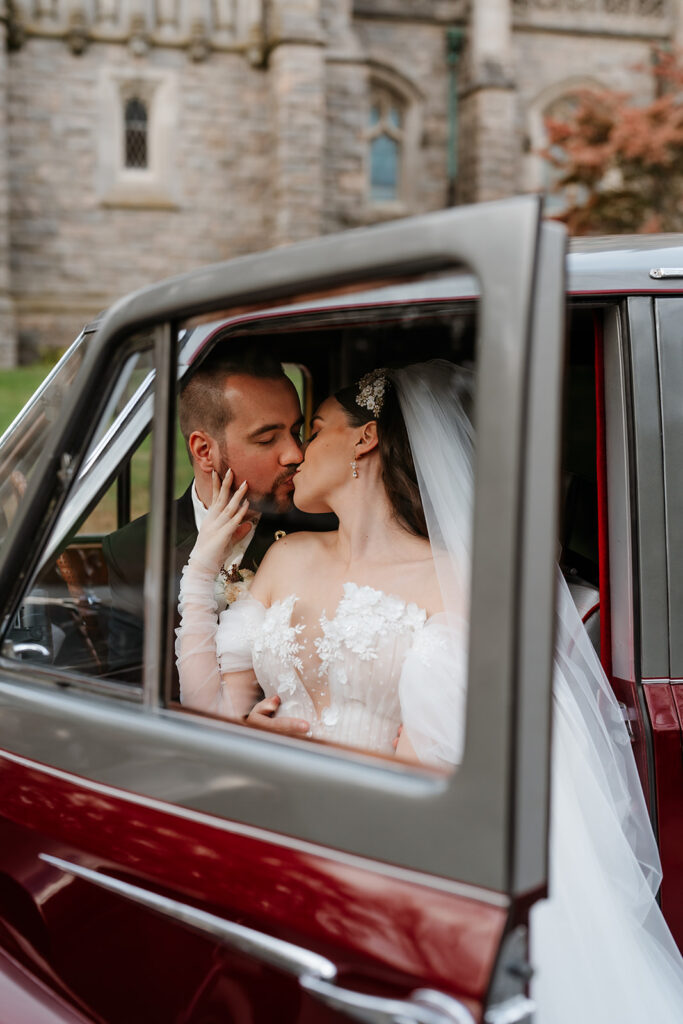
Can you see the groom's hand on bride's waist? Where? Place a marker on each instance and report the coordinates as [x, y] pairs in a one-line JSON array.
[[264, 716]]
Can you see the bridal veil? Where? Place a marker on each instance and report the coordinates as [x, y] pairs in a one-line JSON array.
[[600, 946]]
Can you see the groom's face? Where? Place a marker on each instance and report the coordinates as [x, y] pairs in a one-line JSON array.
[[261, 443]]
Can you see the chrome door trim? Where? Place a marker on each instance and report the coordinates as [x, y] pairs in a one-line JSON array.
[[161, 521], [278, 953], [461, 889], [619, 497], [516, 1010], [650, 519], [668, 318], [371, 1009], [315, 973]]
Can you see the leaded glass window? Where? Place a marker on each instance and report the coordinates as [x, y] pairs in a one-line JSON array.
[[135, 133], [386, 143]]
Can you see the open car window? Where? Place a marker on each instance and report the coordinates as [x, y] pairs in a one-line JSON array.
[[25, 439], [319, 671], [67, 626]]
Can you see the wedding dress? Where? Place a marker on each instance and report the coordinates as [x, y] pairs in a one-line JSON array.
[[369, 658], [600, 947]]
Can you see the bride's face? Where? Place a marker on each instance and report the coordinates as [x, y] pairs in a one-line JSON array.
[[327, 459]]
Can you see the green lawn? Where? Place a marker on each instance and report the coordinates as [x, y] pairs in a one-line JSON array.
[[17, 386]]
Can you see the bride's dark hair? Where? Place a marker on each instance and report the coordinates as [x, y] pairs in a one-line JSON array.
[[398, 469]]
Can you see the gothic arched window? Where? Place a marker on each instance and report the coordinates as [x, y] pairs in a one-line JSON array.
[[544, 163], [135, 135], [386, 144]]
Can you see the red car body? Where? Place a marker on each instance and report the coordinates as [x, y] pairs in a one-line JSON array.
[[158, 867]]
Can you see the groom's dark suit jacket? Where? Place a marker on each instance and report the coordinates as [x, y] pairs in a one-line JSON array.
[[124, 553]]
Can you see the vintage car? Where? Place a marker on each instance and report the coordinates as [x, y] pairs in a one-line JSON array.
[[161, 865]]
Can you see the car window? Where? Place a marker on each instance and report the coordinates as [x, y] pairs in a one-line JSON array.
[[25, 439], [81, 620], [316, 669]]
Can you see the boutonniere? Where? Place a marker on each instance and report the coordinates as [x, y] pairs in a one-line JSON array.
[[235, 581]]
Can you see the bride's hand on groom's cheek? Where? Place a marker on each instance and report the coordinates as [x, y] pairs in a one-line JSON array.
[[263, 716], [223, 524]]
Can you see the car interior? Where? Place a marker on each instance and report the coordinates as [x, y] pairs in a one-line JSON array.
[[66, 623]]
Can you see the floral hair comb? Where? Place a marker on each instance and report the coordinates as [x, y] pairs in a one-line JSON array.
[[371, 390]]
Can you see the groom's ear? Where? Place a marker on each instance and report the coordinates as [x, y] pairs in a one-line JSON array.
[[203, 450], [368, 438]]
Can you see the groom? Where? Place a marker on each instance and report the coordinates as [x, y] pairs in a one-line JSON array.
[[238, 412]]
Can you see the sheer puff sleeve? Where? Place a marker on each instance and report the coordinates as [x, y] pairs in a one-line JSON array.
[[208, 649], [432, 692]]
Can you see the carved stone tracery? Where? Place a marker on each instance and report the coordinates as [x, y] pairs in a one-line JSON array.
[[638, 8], [198, 25]]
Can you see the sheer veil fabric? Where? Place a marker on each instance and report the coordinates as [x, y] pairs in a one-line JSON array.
[[600, 946]]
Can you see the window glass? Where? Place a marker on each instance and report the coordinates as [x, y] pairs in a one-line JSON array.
[[26, 438], [324, 645], [384, 168], [135, 133], [395, 117], [558, 199], [84, 614], [128, 497], [385, 140]]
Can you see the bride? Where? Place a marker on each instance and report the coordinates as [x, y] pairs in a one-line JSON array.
[[392, 457]]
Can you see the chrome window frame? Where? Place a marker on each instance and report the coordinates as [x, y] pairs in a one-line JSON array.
[[668, 318]]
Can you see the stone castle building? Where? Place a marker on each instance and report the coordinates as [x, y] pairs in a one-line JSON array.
[[141, 138]]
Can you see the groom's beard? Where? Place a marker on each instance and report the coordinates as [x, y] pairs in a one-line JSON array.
[[276, 501]]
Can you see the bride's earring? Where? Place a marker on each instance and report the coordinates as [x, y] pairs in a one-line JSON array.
[[354, 468]]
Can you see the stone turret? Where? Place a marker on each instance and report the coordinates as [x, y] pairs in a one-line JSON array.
[[296, 69]]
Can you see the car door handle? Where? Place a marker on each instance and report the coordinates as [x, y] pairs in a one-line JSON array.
[[423, 1006], [280, 954], [316, 974]]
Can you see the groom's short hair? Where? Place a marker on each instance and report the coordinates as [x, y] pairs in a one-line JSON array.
[[202, 404]]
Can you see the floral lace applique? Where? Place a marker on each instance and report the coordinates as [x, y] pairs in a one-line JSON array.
[[430, 644], [278, 637], [363, 617], [330, 716]]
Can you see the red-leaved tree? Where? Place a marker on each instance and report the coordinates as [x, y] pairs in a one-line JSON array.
[[620, 162]]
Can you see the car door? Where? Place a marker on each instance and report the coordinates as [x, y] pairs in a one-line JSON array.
[[164, 866], [662, 603]]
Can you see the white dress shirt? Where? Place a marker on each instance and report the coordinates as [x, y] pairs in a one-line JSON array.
[[237, 553]]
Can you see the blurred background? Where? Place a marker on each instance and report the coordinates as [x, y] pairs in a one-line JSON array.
[[142, 138]]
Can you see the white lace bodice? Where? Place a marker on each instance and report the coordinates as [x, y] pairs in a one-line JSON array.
[[376, 664], [345, 681]]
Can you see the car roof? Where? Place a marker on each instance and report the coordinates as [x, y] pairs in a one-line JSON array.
[[625, 264], [596, 265]]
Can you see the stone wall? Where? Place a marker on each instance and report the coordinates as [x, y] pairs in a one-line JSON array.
[[8, 338], [71, 252], [410, 57], [260, 137]]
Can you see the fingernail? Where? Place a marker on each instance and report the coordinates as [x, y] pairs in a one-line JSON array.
[[243, 484]]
